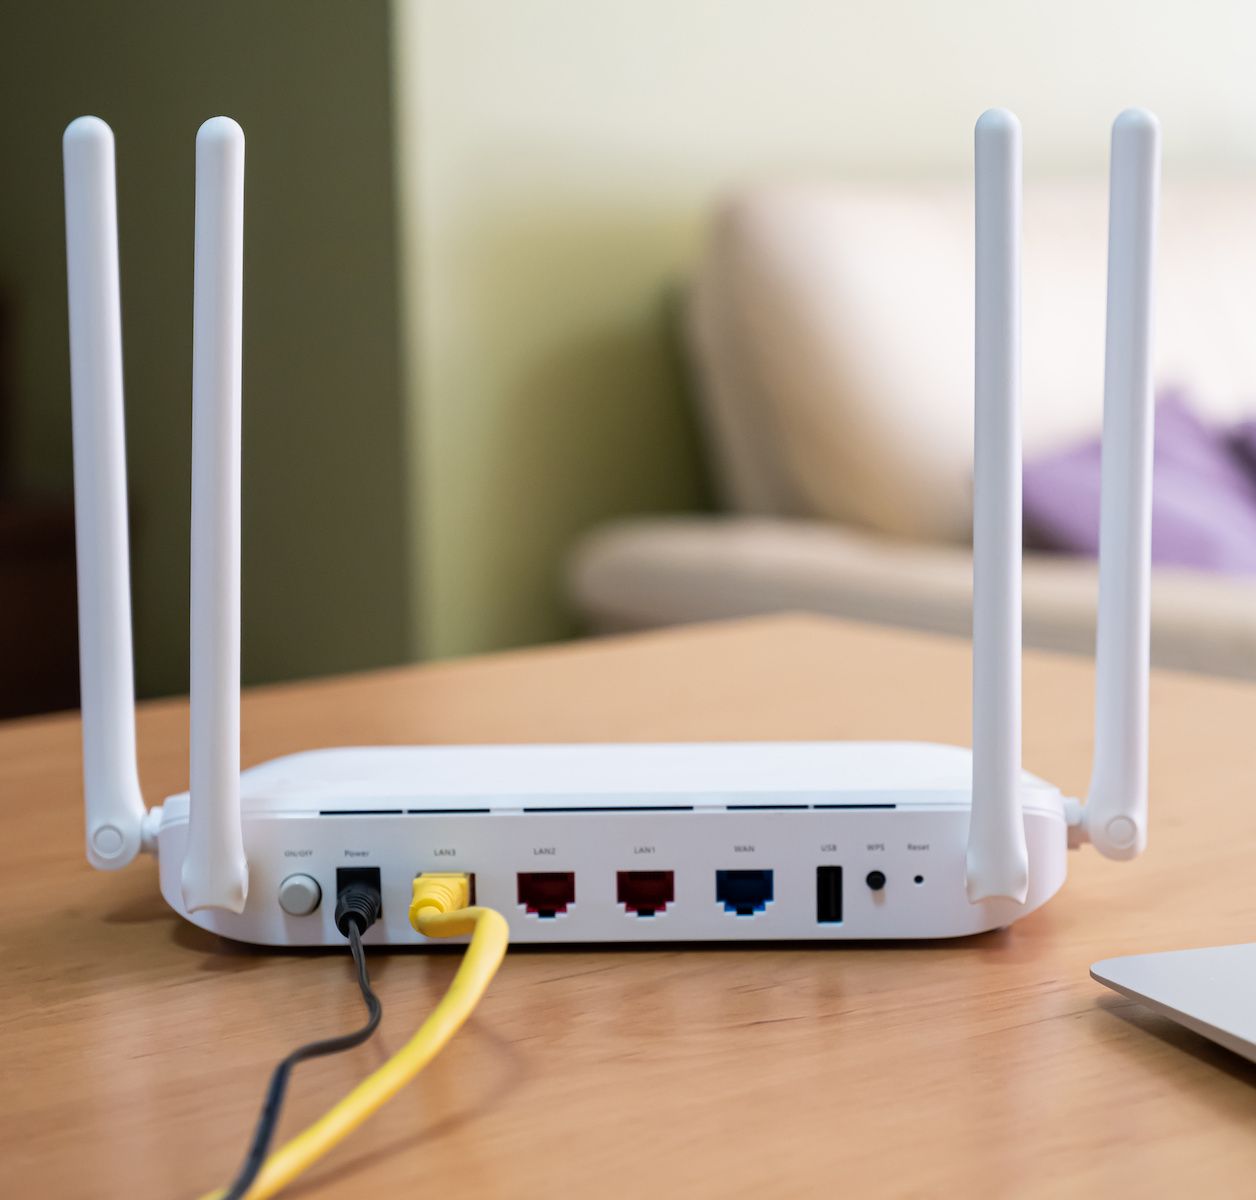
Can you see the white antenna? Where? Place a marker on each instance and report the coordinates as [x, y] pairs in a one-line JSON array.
[[215, 872], [1116, 809], [115, 807], [998, 861]]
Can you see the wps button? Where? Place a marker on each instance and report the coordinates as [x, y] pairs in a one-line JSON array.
[[300, 895]]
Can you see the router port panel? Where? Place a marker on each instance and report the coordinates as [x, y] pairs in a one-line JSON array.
[[561, 876]]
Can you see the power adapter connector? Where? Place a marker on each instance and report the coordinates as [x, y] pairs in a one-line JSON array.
[[357, 903]]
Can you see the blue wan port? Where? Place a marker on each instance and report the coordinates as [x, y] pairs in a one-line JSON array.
[[744, 893]]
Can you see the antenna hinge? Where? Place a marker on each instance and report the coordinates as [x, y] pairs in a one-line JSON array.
[[149, 829], [1075, 816]]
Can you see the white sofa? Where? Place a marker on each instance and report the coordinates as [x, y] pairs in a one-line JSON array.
[[830, 333]]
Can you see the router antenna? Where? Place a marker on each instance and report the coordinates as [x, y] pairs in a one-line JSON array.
[[215, 872], [998, 862], [1116, 809], [111, 786]]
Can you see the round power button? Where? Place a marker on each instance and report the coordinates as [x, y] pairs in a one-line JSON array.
[[299, 895]]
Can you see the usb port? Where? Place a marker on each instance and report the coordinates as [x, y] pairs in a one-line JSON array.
[[829, 895]]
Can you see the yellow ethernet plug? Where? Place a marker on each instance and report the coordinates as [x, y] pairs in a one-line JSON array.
[[438, 892]]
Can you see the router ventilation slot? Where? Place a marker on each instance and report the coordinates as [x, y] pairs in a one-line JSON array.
[[600, 808], [765, 807]]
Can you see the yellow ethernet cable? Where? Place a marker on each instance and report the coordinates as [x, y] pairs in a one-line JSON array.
[[440, 908]]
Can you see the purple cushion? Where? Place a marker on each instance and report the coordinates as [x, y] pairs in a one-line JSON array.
[[1203, 496]]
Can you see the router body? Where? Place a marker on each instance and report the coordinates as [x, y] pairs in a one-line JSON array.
[[615, 843], [719, 842]]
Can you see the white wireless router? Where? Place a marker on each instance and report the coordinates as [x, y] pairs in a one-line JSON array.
[[612, 843]]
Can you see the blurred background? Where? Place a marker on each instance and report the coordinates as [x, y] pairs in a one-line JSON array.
[[569, 316]]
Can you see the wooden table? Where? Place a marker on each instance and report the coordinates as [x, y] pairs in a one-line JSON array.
[[135, 1047]]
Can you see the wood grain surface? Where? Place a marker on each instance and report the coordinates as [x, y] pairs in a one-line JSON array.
[[135, 1047]]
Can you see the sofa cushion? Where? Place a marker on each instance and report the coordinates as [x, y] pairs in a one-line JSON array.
[[645, 573], [831, 329]]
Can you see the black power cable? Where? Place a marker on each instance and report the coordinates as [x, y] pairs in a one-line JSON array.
[[357, 909]]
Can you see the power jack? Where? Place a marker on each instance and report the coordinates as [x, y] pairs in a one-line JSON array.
[[359, 900]]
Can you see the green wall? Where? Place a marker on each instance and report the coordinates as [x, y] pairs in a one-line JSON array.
[[544, 251], [326, 542]]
